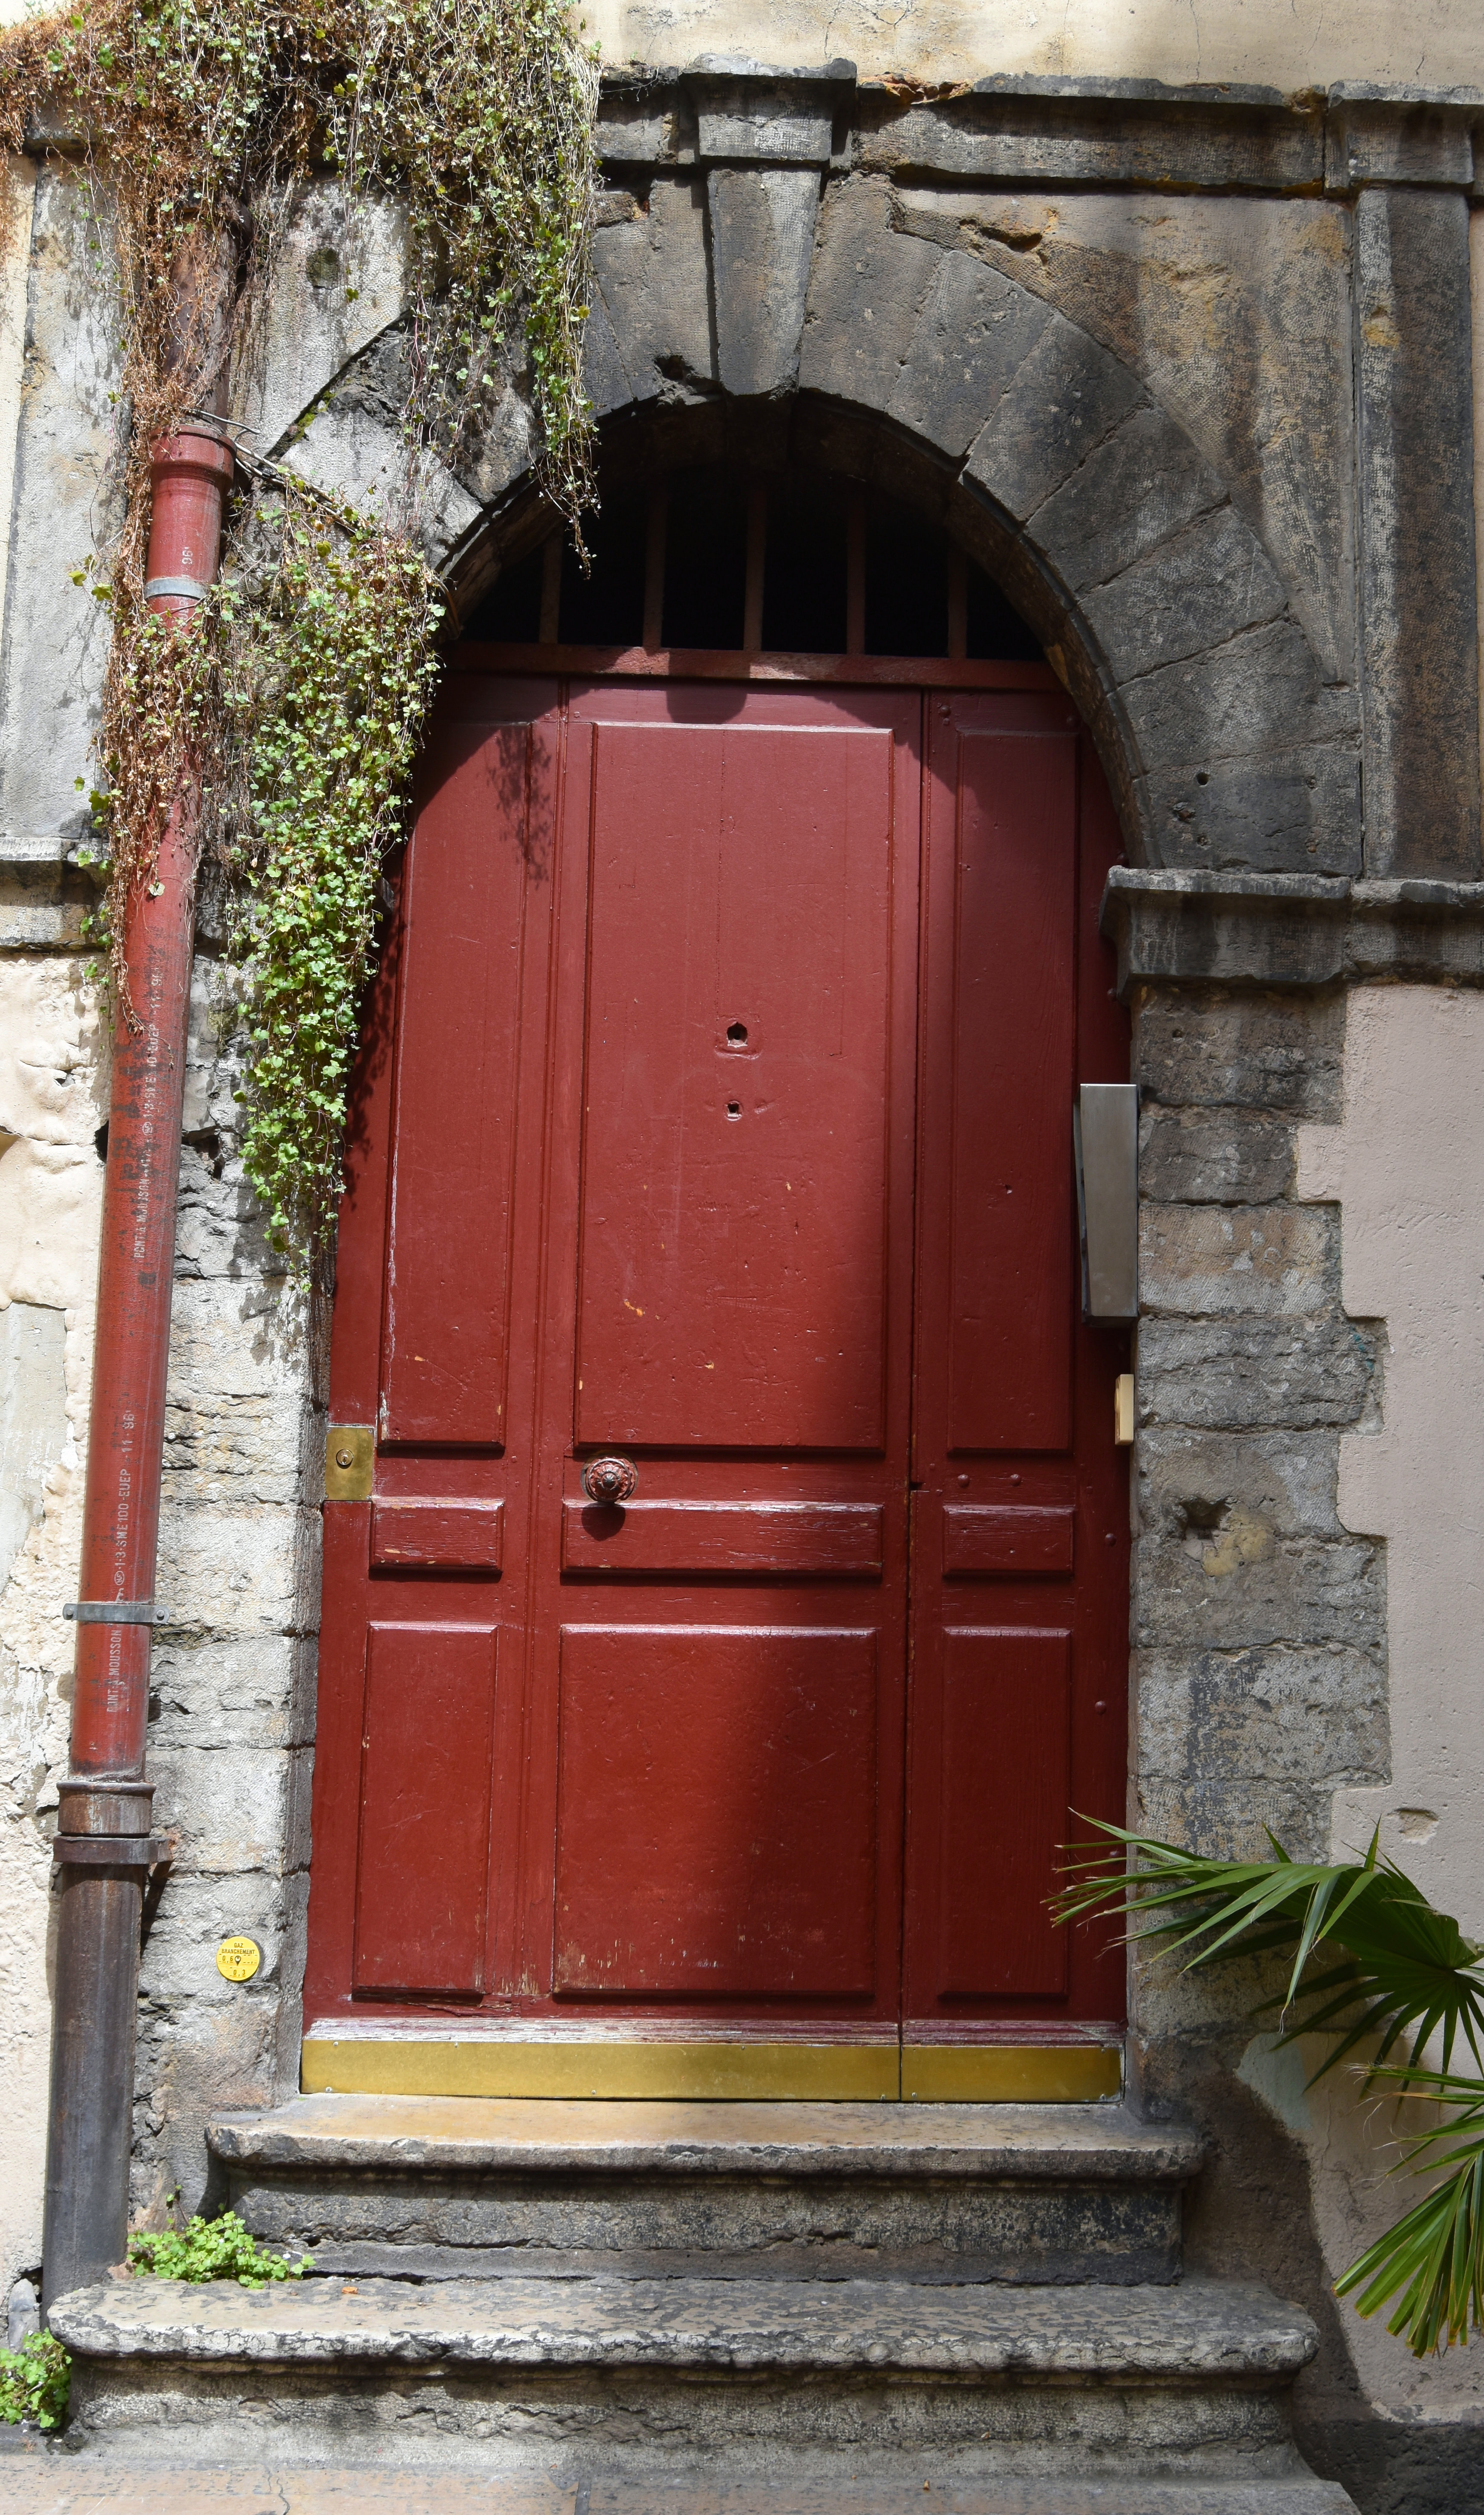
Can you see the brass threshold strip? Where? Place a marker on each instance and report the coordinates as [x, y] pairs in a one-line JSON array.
[[842, 2072]]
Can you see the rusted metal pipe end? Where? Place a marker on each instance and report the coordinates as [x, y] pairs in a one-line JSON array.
[[189, 474]]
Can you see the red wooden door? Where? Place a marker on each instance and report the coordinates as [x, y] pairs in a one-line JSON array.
[[720, 1033]]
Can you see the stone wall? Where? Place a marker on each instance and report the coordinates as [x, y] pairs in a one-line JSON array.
[[1186, 373]]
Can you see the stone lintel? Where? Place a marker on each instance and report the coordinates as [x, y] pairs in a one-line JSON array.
[[1290, 930], [1112, 132], [1391, 142]]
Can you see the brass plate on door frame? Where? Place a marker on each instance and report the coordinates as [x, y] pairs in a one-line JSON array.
[[350, 1462]]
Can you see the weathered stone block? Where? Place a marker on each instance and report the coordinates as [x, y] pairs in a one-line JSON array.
[[339, 279], [231, 1806], [1267, 1262], [358, 459], [867, 287], [604, 377], [761, 242], [1136, 490], [195, 1913], [652, 277], [974, 331], [220, 1220], [1238, 1586], [1229, 1818], [237, 1693], [637, 129], [1302, 1716], [33, 1417], [1199, 589], [1006, 139], [238, 1339], [236, 1449], [1246, 1371], [1218, 1157], [1213, 1489], [1207, 1046], [1254, 694], [63, 507], [1384, 143], [788, 121], [506, 448], [1067, 396], [1283, 812], [234, 1569]]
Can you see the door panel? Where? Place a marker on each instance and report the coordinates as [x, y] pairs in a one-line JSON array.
[[1001, 1812], [423, 1859], [418, 1535], [448, 1242], [840, 1541], [734, 1175], [704, 1769], [1011, 988], [986, 1541]]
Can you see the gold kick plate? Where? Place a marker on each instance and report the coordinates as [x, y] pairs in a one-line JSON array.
[[350, 1462], [418, 2064]]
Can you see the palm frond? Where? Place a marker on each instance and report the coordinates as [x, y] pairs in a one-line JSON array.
[[1405, 1974], [1431, 2261], [1406, 1971]]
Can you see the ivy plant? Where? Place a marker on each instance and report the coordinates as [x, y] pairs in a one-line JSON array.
[[35, 2380], [284, 717], [326, 672]]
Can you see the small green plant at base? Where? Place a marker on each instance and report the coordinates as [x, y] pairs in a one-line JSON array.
[[35, 2380], [209, 2250], [1375, 1968]]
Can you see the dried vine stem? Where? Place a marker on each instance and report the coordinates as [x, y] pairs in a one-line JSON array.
[[201, 122]]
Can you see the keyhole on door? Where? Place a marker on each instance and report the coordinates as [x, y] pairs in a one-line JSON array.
[[736, 1034], [734, 1108]]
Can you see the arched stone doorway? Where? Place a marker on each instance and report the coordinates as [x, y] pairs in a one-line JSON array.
[[715, 1140]]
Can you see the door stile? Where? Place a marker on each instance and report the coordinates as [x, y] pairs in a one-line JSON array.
[[560, 1139], [1012, 1424]]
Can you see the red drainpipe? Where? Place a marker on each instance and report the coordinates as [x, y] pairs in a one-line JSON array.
[[102, 1847]]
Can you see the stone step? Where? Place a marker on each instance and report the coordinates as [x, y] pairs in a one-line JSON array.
[[1042, 2387], [428, 2187]]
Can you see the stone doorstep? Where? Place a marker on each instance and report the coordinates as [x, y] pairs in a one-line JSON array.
[[425, 2188], [989, 2142], [95, 2482], [1201, 2332]]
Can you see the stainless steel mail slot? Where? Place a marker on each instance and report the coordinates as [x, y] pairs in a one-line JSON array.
[[1106, 1137]]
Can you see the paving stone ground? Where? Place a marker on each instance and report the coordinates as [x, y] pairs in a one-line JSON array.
[[46, 2482]]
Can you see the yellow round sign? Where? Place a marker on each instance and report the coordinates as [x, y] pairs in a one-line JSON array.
[[238, 1960]]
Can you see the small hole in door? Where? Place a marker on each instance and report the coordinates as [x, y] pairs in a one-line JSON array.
[[736, 1034], [734, 1108]]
